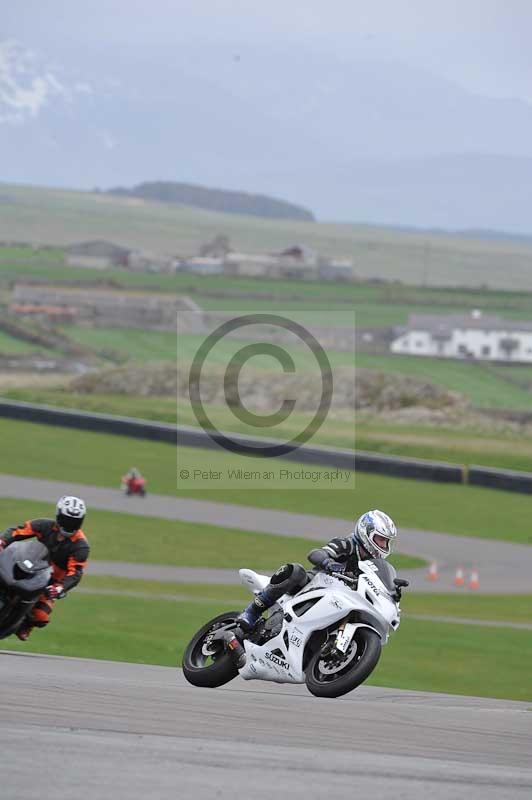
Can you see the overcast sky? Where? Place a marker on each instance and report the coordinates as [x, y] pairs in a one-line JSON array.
[[485, 45]]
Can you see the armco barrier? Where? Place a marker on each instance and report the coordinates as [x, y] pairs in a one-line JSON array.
[[506, 479], [194, 437], [84, 420], [416, 468], [340, 459]]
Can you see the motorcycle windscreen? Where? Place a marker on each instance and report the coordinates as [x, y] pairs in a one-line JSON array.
[[385, 572], [21, 559]]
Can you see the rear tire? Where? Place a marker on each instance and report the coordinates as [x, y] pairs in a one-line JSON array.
[[327, 676], [196, 666]]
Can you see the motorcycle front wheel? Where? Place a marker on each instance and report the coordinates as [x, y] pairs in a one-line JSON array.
[[332, 674], [205, 663]]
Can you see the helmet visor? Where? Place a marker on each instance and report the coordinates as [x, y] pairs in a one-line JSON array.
[[382, 542], [69, 525]]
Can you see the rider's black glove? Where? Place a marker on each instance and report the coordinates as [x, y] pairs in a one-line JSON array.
[[400, 584]]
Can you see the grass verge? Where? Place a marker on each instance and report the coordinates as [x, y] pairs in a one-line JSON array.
[[459, 659], [499, 608]]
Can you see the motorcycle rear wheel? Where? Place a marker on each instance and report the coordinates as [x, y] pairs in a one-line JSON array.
[[334, 675], [209, 671]]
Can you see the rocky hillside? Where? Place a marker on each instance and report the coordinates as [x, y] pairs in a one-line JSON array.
[[262, 391]]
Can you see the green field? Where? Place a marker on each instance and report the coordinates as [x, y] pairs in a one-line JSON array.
[[130, 344], [510, 449], [159, 590], [476, 444], [429, 656], [58, 217], [461, 659], [500, 608], [481, 607], [126, 344], [9, 345], [487, 386], [101, 459]]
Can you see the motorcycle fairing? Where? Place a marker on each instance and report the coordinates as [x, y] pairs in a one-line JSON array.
[[330, 600], [31, 557]]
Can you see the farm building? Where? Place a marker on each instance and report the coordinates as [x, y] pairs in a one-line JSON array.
[[97, 254], [144, 261], [253, 264], [112, 308], [474, 336], [43, 313]]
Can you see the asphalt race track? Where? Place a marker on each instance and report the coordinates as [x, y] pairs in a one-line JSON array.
[[97, 730], [504, 567]]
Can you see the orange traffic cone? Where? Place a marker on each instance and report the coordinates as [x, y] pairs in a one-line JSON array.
[[474, 581], [459, 579], [433, 574]]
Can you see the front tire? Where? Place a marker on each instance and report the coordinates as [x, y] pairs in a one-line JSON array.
[[333, 676], [202, 666]]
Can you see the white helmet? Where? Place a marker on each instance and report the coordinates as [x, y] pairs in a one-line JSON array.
[[375, 531], [70, 513]]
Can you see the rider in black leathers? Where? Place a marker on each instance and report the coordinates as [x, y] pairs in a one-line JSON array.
[[373, 537]]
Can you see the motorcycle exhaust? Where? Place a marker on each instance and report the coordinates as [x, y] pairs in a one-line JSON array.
[[231, 645], [234, 648]]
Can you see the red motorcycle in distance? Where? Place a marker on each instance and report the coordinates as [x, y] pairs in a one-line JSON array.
[[134, 484]]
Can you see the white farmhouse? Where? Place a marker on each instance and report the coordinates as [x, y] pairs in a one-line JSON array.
[[474, 336]]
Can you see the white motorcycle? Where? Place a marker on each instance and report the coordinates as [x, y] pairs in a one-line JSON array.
[[329, 635]]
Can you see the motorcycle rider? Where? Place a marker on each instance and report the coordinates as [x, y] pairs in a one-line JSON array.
[[132, 478], [69, 551], [374, 536]]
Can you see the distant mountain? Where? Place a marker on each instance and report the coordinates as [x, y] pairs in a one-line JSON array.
[[229, 202], [355, 140]]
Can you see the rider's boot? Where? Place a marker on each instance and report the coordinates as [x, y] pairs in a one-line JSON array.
[[24, 631], [249, 617]]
